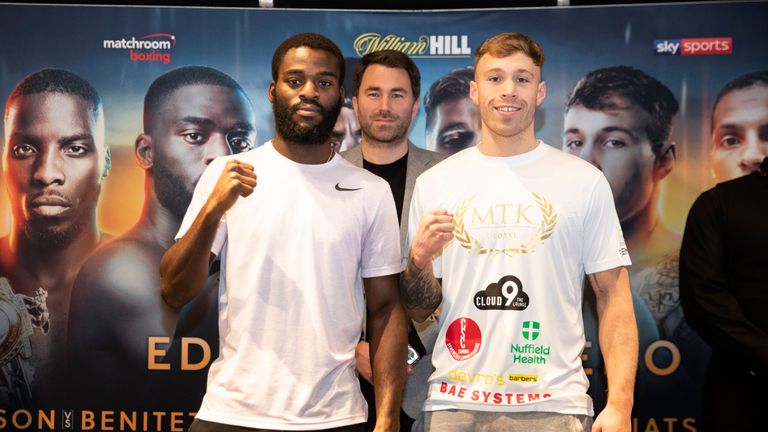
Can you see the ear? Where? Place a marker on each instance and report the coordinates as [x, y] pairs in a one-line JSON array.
[[415, 110], [354, 104], [143, 151], [473, 91], [664, 162], [107, 161], [342, 91], [541, 93], [271, 92]]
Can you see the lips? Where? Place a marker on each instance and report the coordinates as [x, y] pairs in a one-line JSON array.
[[307, 110], [48, 205], [507, 109]]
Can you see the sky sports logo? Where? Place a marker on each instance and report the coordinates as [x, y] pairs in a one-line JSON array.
[[694, 46]]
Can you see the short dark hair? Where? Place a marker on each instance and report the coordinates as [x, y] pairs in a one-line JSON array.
[[452, 86], [759, 78], [51, 80], [594, 92], [309, 40], [392, 59], [506, 44], [169, 82]]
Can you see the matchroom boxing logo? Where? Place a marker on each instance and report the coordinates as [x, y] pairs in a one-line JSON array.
[[149, 48]]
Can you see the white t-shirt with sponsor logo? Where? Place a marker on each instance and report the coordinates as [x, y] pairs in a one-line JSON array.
[[291, 301], [526, 228]]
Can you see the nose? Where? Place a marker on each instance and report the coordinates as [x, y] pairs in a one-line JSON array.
[[510, 89], [754, 153], [216, 146], [309, 91], [48, 167], [588, 153]]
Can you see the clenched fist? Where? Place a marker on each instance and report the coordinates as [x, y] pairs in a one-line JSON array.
[[435, 230]]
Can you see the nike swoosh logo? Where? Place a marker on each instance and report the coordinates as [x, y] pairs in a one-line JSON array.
[[343, 189]]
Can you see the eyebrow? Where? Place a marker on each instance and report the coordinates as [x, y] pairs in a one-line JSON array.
[[199, 121], [608, 129], [728, 127], [497, 69], [377, 88], [35, 140], [245, 126], [302, 72]]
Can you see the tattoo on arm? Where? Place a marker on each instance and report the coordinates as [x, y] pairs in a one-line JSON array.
[[419, 288]]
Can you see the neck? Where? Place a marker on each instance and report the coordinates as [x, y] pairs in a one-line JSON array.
[[156, 224], [493, 144], [51, 268], [639, 228], [381, 153], [308, 154]]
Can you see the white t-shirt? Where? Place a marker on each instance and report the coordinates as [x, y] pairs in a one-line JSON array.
[[291, 300], [527, 228]]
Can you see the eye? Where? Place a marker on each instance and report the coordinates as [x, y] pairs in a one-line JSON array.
[[398, 96], [523, 80], [573, 144], [239, 142], [23, 151], [494, 78], [75, 150], [372, 94], [729, 141], [456, 139], [325, 83], [194, 137], [293, 82], [614, 143]]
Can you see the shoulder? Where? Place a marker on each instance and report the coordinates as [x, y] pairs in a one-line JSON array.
[[447, 166], [353, 155], [118, 272], [427, 157]]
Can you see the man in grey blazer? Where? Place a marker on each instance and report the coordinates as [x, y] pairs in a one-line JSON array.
[[386, 101]]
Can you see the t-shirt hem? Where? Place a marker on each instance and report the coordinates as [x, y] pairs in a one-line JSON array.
[[607, 264], [381, 271], [548, 406], [262, 424]]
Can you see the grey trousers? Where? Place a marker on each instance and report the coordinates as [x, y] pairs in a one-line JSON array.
[[485, 421]]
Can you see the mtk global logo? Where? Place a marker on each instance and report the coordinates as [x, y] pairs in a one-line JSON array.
[[694, 46], [149, 48], [506, 294], [463, 338]]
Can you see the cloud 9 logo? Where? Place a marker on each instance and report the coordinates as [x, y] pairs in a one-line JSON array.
[[149, 48], [463, 338], [694, 46], [506, 294]]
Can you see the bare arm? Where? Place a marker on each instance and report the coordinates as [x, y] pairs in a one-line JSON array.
[[421, 292], [184, 265], [387, 330], [619, 345]]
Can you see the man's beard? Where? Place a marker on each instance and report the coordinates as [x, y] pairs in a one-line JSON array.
[[170, 190], [305, 135], [386, 138], [41, 234]]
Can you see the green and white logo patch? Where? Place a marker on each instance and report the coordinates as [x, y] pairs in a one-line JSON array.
[[531, 330]]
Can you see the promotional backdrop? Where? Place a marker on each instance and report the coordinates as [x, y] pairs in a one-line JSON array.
[[108, 347]]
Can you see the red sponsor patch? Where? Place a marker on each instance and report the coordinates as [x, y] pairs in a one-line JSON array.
[[463, 338], [706, 46]]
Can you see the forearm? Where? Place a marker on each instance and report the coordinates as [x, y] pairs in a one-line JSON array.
[[388, 334], [618, 338], [184, 266], [421, 293]]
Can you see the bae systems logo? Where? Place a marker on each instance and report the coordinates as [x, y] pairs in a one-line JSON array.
[[425, 46], [150, 48], [694, 46], [463, 338]]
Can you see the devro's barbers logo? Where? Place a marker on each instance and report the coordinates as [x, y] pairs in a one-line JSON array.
[[463, 338], [506, 294], [425, 46], [154, 47]]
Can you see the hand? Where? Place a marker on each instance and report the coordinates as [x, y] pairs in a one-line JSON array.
[[435, 230], [363, 360], [236, 180], [612, 420]]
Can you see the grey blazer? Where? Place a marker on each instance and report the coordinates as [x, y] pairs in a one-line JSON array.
[[415, 393]]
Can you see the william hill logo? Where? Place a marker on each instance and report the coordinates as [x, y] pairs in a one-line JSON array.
[[149, 48], [431, 46]]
